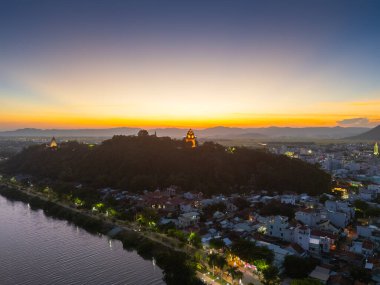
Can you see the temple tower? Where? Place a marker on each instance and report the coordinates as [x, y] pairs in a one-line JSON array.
[[190, 137], [376, 149], [53, 143]]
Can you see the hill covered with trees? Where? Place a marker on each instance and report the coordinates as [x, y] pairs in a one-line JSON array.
[[372, 135], [143, 162]]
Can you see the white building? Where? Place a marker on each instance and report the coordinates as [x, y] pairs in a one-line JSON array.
[[339, 213], [309, 217], [288, 199], [188, 219], [364, 231], [338, 219], [366, 195], [278, 226], [302, 236], [231, 207], [321, 241], [365, 247], [371, 232], [374, 188]]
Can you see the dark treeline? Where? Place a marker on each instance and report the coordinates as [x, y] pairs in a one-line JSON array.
[[147, 162], [90, 224]]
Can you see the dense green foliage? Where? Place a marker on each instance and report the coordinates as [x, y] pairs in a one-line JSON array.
[[274, 208], [363, 209], [177, 266], [209, 210], [361, 274], [216, 243], [306, 281], [298, 267], [250, 252], [217, 260], [270, 276], [52, 209], [146, 162]]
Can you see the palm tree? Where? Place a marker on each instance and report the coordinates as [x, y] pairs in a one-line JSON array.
[[212, 259], [239, 275], [221, 263], [235, 273]]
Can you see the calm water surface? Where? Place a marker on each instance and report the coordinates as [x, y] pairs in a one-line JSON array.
[[35, 249]]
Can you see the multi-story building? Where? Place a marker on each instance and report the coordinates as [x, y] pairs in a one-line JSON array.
[[309, 216], [278, 226]]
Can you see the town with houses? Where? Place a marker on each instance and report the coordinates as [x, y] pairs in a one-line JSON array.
[[336, 228], [326, 227]]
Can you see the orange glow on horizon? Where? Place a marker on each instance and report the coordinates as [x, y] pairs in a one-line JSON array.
[[278, 120]]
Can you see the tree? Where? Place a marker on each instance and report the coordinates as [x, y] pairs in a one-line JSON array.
[[211, 260], [269, 276], [177, 269], [221, 263], [306, 281], [362, 205], [361, 274], [323, 198], [147, 217], [211, 209], [142, 133], [249, 251], [217, 243], [298, 267], [373, 212], [261, 264], [147, 162], [194, 239], [234, 273], [180, 235], [217, 260], [275, 207], [241, 203]]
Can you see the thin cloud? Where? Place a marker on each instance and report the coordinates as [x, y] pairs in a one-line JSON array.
[[357, 122], [353, 121]]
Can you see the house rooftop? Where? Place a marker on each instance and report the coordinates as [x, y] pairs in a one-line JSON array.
[[320, 233], [320, 273]]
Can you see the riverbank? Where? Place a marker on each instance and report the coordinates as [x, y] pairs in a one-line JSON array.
[[178, 266]]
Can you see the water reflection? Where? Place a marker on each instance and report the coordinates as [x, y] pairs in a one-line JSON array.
[[35, 249]]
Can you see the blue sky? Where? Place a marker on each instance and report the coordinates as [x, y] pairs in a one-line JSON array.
[[188, 63]]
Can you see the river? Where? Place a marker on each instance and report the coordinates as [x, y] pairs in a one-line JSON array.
[[36, 249]]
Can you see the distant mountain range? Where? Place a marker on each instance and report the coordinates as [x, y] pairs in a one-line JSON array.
[[373, 134], [69, 133], [209, 133]]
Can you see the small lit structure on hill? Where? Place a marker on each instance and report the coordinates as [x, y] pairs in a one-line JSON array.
[[376, 149], [290, 154], [231, 149], [342, 192], [53, 143], [190, 137]]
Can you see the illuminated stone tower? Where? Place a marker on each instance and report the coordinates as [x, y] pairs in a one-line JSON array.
[[53, 143], [190, 137], [376, 149]]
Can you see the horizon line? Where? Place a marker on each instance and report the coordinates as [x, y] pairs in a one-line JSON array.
[[184, 127]]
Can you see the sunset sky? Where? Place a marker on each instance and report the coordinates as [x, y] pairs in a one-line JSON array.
[[111, 63]]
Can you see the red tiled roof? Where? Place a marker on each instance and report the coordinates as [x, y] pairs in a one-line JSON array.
[[297, 248], [303, 227], [367, 244], [307, 210], [339, 280], [320, 233]]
